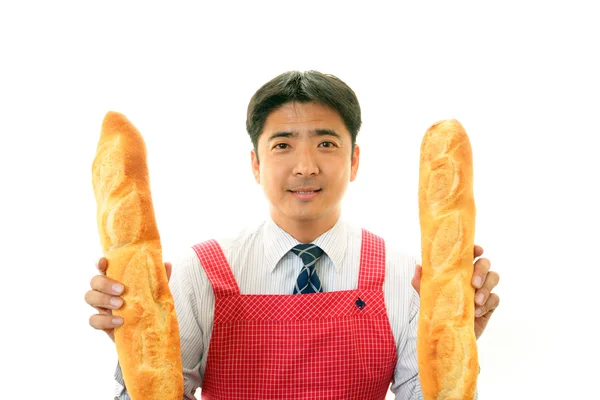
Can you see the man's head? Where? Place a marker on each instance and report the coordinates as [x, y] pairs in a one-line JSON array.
[[303, 127], [303, 87]]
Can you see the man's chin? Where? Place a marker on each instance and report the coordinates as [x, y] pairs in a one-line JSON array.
[[302, 215], [306, 216]]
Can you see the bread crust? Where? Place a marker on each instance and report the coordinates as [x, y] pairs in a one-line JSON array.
[[446, 343], [148, 342]]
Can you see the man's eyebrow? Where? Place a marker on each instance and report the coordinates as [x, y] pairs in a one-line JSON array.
[[314, 132], [282, 134], [327, 132]]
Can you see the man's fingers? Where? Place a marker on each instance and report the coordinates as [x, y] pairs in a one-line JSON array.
[[488, 307], [106, 285], [104, 298], [103, 311], [481, 269], [477, 251], [484, 313], [482, 295], [101, 300], [416, 280], [104, 322], [102, 265], [169, 268]]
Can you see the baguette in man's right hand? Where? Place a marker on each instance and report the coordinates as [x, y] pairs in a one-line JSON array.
[[105, 297]]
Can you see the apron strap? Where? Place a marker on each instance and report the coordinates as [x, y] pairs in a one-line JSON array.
[[372, 262], [217, 269]]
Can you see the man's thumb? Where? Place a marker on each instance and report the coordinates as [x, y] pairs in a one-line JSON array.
[[416, 280]]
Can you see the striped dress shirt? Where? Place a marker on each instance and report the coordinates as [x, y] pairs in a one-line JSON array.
[[262, 263]]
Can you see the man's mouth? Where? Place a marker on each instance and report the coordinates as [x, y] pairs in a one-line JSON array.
[[305, 191]]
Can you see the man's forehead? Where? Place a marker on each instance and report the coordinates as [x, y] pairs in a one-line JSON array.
[[303, 111], [305, 119]]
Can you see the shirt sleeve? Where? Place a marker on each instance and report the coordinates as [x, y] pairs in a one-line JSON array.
[[406, 384], [184, 287], [120, 391]]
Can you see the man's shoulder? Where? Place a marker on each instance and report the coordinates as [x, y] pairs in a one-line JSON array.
[[400, 266], [248, 234], [397, 254], [244, 237], [394, 251]]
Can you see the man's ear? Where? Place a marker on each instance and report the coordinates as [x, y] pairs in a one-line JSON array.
[[354, 164], [255, 166]]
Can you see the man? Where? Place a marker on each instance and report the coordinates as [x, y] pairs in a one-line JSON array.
[[321, 309]]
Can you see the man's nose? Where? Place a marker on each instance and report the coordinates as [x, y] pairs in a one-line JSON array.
[[306, 163]]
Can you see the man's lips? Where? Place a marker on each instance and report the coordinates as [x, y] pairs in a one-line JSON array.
[[305, 190], [304, 194]]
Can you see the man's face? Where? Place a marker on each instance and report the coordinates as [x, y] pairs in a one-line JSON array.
[[305, 162]]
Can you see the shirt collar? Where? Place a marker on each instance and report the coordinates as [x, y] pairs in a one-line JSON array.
[[278, 242]]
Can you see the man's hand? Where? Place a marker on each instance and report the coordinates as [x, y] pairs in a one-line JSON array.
[[483, 281], [105, 297]]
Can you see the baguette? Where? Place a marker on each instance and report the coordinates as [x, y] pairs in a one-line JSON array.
[[148, 342], [446, 344]]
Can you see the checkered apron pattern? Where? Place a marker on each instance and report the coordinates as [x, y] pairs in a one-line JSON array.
[[327, 345]]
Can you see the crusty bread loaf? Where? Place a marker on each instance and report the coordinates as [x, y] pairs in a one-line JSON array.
[[148, 341], [446, 344]]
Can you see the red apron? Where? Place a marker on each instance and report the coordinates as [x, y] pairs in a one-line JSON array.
[[330, 345]]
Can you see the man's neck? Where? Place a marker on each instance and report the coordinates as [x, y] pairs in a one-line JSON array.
[[305, 231]]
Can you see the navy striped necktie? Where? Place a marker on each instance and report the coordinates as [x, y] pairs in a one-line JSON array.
[[308, 280]]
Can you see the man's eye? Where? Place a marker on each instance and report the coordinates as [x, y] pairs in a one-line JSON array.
[[280, 146], [330, 144]]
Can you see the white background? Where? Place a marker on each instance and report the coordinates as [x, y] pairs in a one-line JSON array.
[[521, 77]]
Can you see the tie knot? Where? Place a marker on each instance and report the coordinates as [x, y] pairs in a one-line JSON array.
[[309, 253]]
